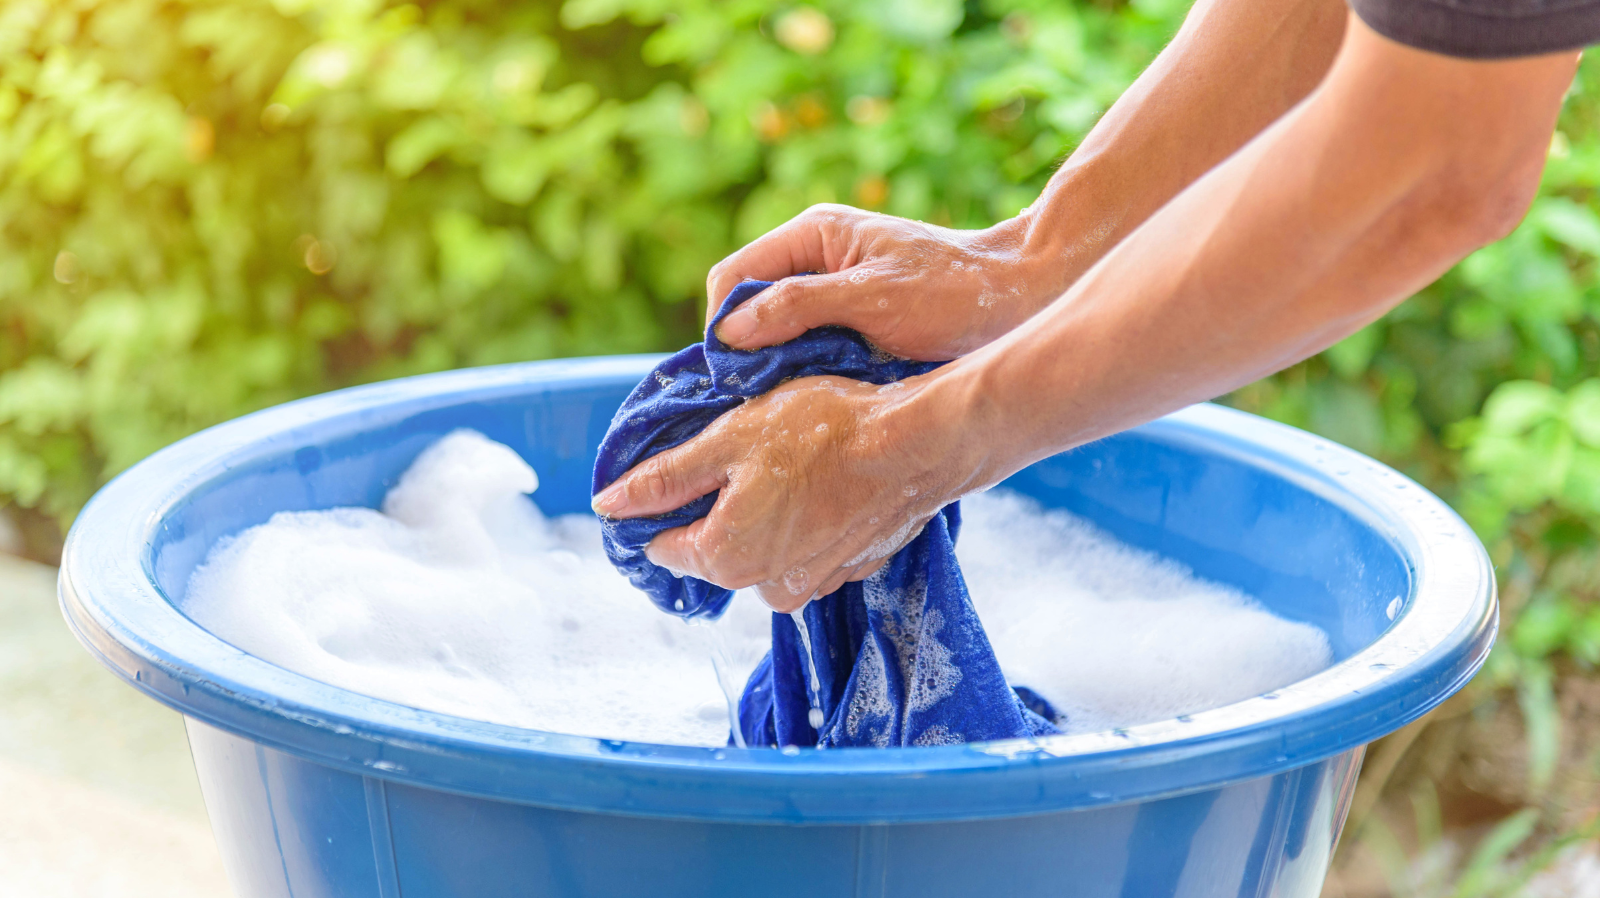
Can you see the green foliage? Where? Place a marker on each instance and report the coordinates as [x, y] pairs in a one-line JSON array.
[[208, 206]]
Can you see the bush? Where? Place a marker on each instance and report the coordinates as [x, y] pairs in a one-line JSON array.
[[209, 206]]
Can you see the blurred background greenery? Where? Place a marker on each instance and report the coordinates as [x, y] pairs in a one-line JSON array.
[[210, 206]]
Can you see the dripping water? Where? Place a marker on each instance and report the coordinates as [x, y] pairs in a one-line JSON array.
[[814, 717]]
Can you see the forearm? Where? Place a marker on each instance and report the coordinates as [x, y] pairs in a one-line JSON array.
[[1233, 68], [1400, 164]]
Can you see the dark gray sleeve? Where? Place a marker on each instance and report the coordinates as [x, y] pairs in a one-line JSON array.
[[1484, 29]]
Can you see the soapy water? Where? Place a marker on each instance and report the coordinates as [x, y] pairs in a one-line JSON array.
[[461, 597], [1112, 635], [809, 662]]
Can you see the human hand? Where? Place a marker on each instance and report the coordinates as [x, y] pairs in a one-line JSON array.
[[822, 480], [919, 291]]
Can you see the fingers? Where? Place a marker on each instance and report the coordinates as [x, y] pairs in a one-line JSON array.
[[700, 550], [781, 597], [799, 245], [683, 551], [867, 570], [678, 550], [790, 308], [668, 480], [777, 598]]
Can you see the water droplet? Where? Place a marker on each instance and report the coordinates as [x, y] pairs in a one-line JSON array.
[[1379, 666], [815, 717], [678, 605], [795, 581], [1394, 607], [790, 750]]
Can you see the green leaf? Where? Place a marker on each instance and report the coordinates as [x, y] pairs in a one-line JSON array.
[[1536, 698], [420, 143], [1583, 412], [1568, 223], [42, 395], [1542, 628], [472, 256], [1516, 406], [23, 476], [413, 73], [1351, 356], [1481, 874], [515, 167]]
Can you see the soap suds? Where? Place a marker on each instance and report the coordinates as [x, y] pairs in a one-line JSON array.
[[461, 597], [1112, 635], [464, 599]]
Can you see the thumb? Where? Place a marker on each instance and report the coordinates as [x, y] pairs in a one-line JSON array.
[[664, 482], [795, 305]]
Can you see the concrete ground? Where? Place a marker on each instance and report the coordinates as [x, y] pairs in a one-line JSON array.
[[98, 797]]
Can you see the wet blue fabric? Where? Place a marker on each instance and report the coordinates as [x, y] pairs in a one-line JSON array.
[[898, 659]]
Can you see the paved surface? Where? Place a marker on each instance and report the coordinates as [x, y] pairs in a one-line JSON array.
[[100, 798]]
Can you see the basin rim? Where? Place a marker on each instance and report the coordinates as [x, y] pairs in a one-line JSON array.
[[112, 603]]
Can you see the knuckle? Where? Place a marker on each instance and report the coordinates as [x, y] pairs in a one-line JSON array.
[[775, 299], [655, 480], [826, 214]]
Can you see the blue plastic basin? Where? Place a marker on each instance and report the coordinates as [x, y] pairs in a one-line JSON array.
[[318, 791]]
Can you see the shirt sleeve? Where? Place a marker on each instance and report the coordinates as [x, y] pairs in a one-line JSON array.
[[1484, 29]]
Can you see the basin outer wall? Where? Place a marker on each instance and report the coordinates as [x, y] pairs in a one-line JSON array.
[[292, 828], [314, 790]]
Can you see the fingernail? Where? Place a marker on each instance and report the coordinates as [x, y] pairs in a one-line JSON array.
[[738, 326], [609, 501]]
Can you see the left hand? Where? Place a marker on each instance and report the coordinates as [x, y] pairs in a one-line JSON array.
[[822, 480]]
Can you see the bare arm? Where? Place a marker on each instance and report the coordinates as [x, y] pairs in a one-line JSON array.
[[915, 289], [1400, 163]]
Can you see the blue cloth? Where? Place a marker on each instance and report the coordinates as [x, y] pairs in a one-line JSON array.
[[897, 659]]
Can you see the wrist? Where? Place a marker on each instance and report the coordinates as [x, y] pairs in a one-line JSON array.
[[941, 426], [1036, 258]]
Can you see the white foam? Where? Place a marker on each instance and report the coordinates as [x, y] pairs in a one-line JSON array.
[[461, 597], [465, 599], [1114, 636]]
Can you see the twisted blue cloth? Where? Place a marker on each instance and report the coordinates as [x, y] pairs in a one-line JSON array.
[[897, 659]]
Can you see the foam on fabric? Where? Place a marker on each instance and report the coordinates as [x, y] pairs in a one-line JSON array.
[[461, 597]]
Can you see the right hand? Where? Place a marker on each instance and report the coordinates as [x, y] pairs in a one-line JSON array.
[[917, 290]]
